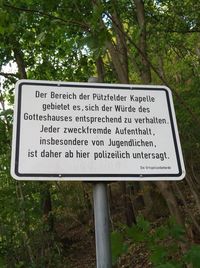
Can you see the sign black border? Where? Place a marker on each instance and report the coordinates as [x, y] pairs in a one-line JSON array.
[[106, 86]]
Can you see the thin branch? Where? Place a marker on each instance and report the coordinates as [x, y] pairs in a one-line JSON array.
[[83, 25], [7, 75]]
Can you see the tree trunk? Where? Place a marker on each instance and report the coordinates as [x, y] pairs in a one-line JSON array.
[[145, 68], [161, 67], [47, 206], [146, 188], [100, 69], [193, 189], [120, 71], [19, 57], [121, 46], [171, 201], [24, 222], [195, 223], [128, 207], [48, 222], [118, 48]]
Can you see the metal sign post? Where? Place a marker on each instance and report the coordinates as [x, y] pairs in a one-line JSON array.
[[101, 219], [102, 233]]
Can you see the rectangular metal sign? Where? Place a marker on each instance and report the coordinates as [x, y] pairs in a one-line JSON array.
[[88, 131]]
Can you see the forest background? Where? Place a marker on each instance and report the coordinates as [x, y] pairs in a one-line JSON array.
[[120, 41]]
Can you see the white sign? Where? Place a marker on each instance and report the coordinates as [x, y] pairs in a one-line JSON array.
[[85, 131]]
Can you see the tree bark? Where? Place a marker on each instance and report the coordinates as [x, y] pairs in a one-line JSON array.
[[171, 201], [47, 207], [121, 73], [195, 223], [24, 223], [100, 69], [118, 48], [19, 57], [145, 68], [129, 212], [121, 46]]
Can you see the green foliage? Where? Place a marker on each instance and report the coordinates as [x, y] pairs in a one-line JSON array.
[[162, 243], [155, 239], [139, 232], [118, 246], [193, 256]]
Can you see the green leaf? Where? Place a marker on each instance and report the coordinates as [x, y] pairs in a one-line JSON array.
[[177, 231], [161, 233], [41, 37], [118, 246], [143, 224], [135, 234], [193, 256], [158, 255], [140, 231]]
